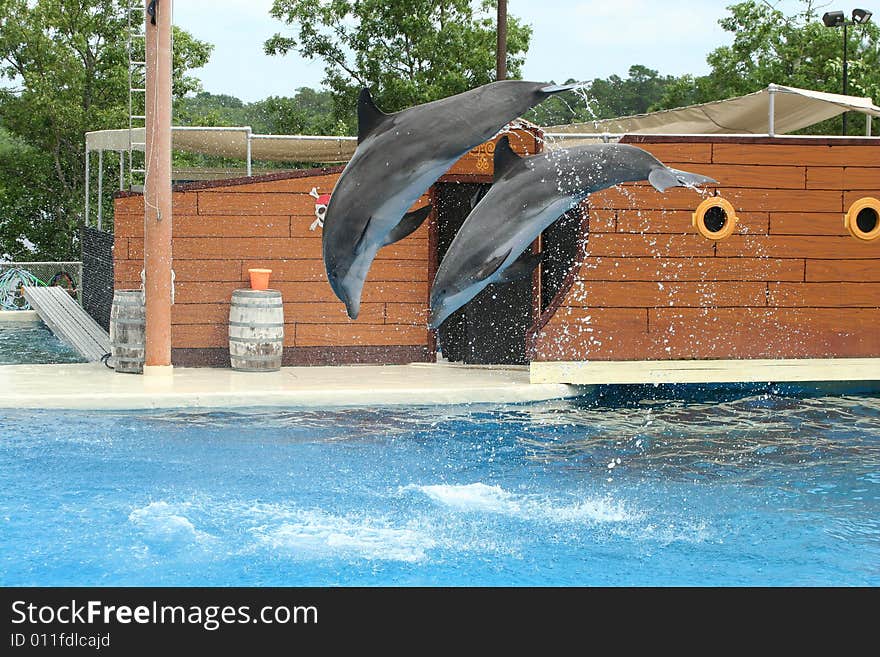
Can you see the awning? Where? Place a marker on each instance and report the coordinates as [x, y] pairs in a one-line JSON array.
[[775, 110], [233, 142]]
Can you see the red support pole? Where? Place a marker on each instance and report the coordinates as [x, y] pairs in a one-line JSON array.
[[157, 188]]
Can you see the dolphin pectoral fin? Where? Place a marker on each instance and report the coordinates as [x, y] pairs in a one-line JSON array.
[[557, 88], [359, 246], [490, 267], [370, 117], [522, 267], [482, 190], [504, 157], [408, 225]]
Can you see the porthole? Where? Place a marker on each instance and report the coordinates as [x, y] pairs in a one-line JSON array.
[[863, 219], [715, 219]]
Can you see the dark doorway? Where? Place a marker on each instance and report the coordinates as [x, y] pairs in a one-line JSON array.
[[491, 328], [560, 246]]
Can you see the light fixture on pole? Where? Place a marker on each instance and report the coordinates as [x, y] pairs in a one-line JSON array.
[[836, 19]]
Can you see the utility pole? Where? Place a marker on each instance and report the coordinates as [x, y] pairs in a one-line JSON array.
[[845, 72], [157, 188], [501, 48]]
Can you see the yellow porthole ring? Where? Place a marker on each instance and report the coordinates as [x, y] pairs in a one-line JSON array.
[[715, 218], [863, 219]]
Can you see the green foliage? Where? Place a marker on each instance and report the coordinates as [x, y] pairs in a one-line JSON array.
[[67, 66], [797, 50], [307, 112], [406, 51], [605, 98], [768, 47]]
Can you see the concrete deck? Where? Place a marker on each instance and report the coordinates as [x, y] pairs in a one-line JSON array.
[[93, 386]]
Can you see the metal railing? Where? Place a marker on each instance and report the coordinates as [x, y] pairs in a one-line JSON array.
[[46, 273]]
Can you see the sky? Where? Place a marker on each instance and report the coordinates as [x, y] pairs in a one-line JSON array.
[[576, 39]]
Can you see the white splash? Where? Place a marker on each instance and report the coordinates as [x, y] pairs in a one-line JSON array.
[[314, 535], [162, 522], [482, 498]]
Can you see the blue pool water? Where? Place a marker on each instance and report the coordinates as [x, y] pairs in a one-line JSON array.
[[728, 488], [33, 343]]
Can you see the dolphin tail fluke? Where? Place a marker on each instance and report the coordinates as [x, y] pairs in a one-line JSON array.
[[522, 267], [408, 225], [662, 178], [558, 88]]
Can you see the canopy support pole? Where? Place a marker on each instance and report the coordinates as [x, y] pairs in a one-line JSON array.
[[248, 137], [88, 175], [100, 187], [771, 110]]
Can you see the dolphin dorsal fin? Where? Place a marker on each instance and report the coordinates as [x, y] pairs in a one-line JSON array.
[[505, 158], [370, 117]]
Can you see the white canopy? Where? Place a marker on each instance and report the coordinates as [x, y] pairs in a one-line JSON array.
[[771, 111], [235, 142]]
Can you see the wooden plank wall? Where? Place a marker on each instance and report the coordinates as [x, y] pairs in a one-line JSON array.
[[222, 229], [790, 283]]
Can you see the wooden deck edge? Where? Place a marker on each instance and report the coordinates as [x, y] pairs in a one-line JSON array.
[[705, 371], [19, 316]]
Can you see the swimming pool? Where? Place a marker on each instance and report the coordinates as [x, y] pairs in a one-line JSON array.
[[33, 343], [731, 487]]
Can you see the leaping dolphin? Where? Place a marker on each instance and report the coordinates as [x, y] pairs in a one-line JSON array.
[[397, 159], [528, 195]]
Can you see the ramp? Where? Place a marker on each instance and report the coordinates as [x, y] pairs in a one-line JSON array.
[[67, 320]]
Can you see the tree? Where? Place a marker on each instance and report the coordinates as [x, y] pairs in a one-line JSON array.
[[605, 98], [772, 47], [67, 63], [406, 51]]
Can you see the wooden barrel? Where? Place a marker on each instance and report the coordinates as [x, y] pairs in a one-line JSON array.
[[127, 331], [256, 330]]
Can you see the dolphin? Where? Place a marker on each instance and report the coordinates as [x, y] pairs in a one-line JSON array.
[[529, 194], [398, 157]]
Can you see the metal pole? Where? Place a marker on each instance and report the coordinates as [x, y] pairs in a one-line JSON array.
[[845, 72], [771, 112], [88, 173], [248, 137], [501, 47], [157, 190], [867, 125], [121, 170], [100, 187]]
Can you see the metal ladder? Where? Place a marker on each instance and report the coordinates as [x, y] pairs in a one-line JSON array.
[[137, 93]]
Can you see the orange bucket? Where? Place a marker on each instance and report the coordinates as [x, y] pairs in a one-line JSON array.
[[259, 278]]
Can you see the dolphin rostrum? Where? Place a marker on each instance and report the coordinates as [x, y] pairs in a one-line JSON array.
[[529, 194], [397, 159]]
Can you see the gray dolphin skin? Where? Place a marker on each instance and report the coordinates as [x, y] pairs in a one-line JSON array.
[[398, 157], [528, 195]]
